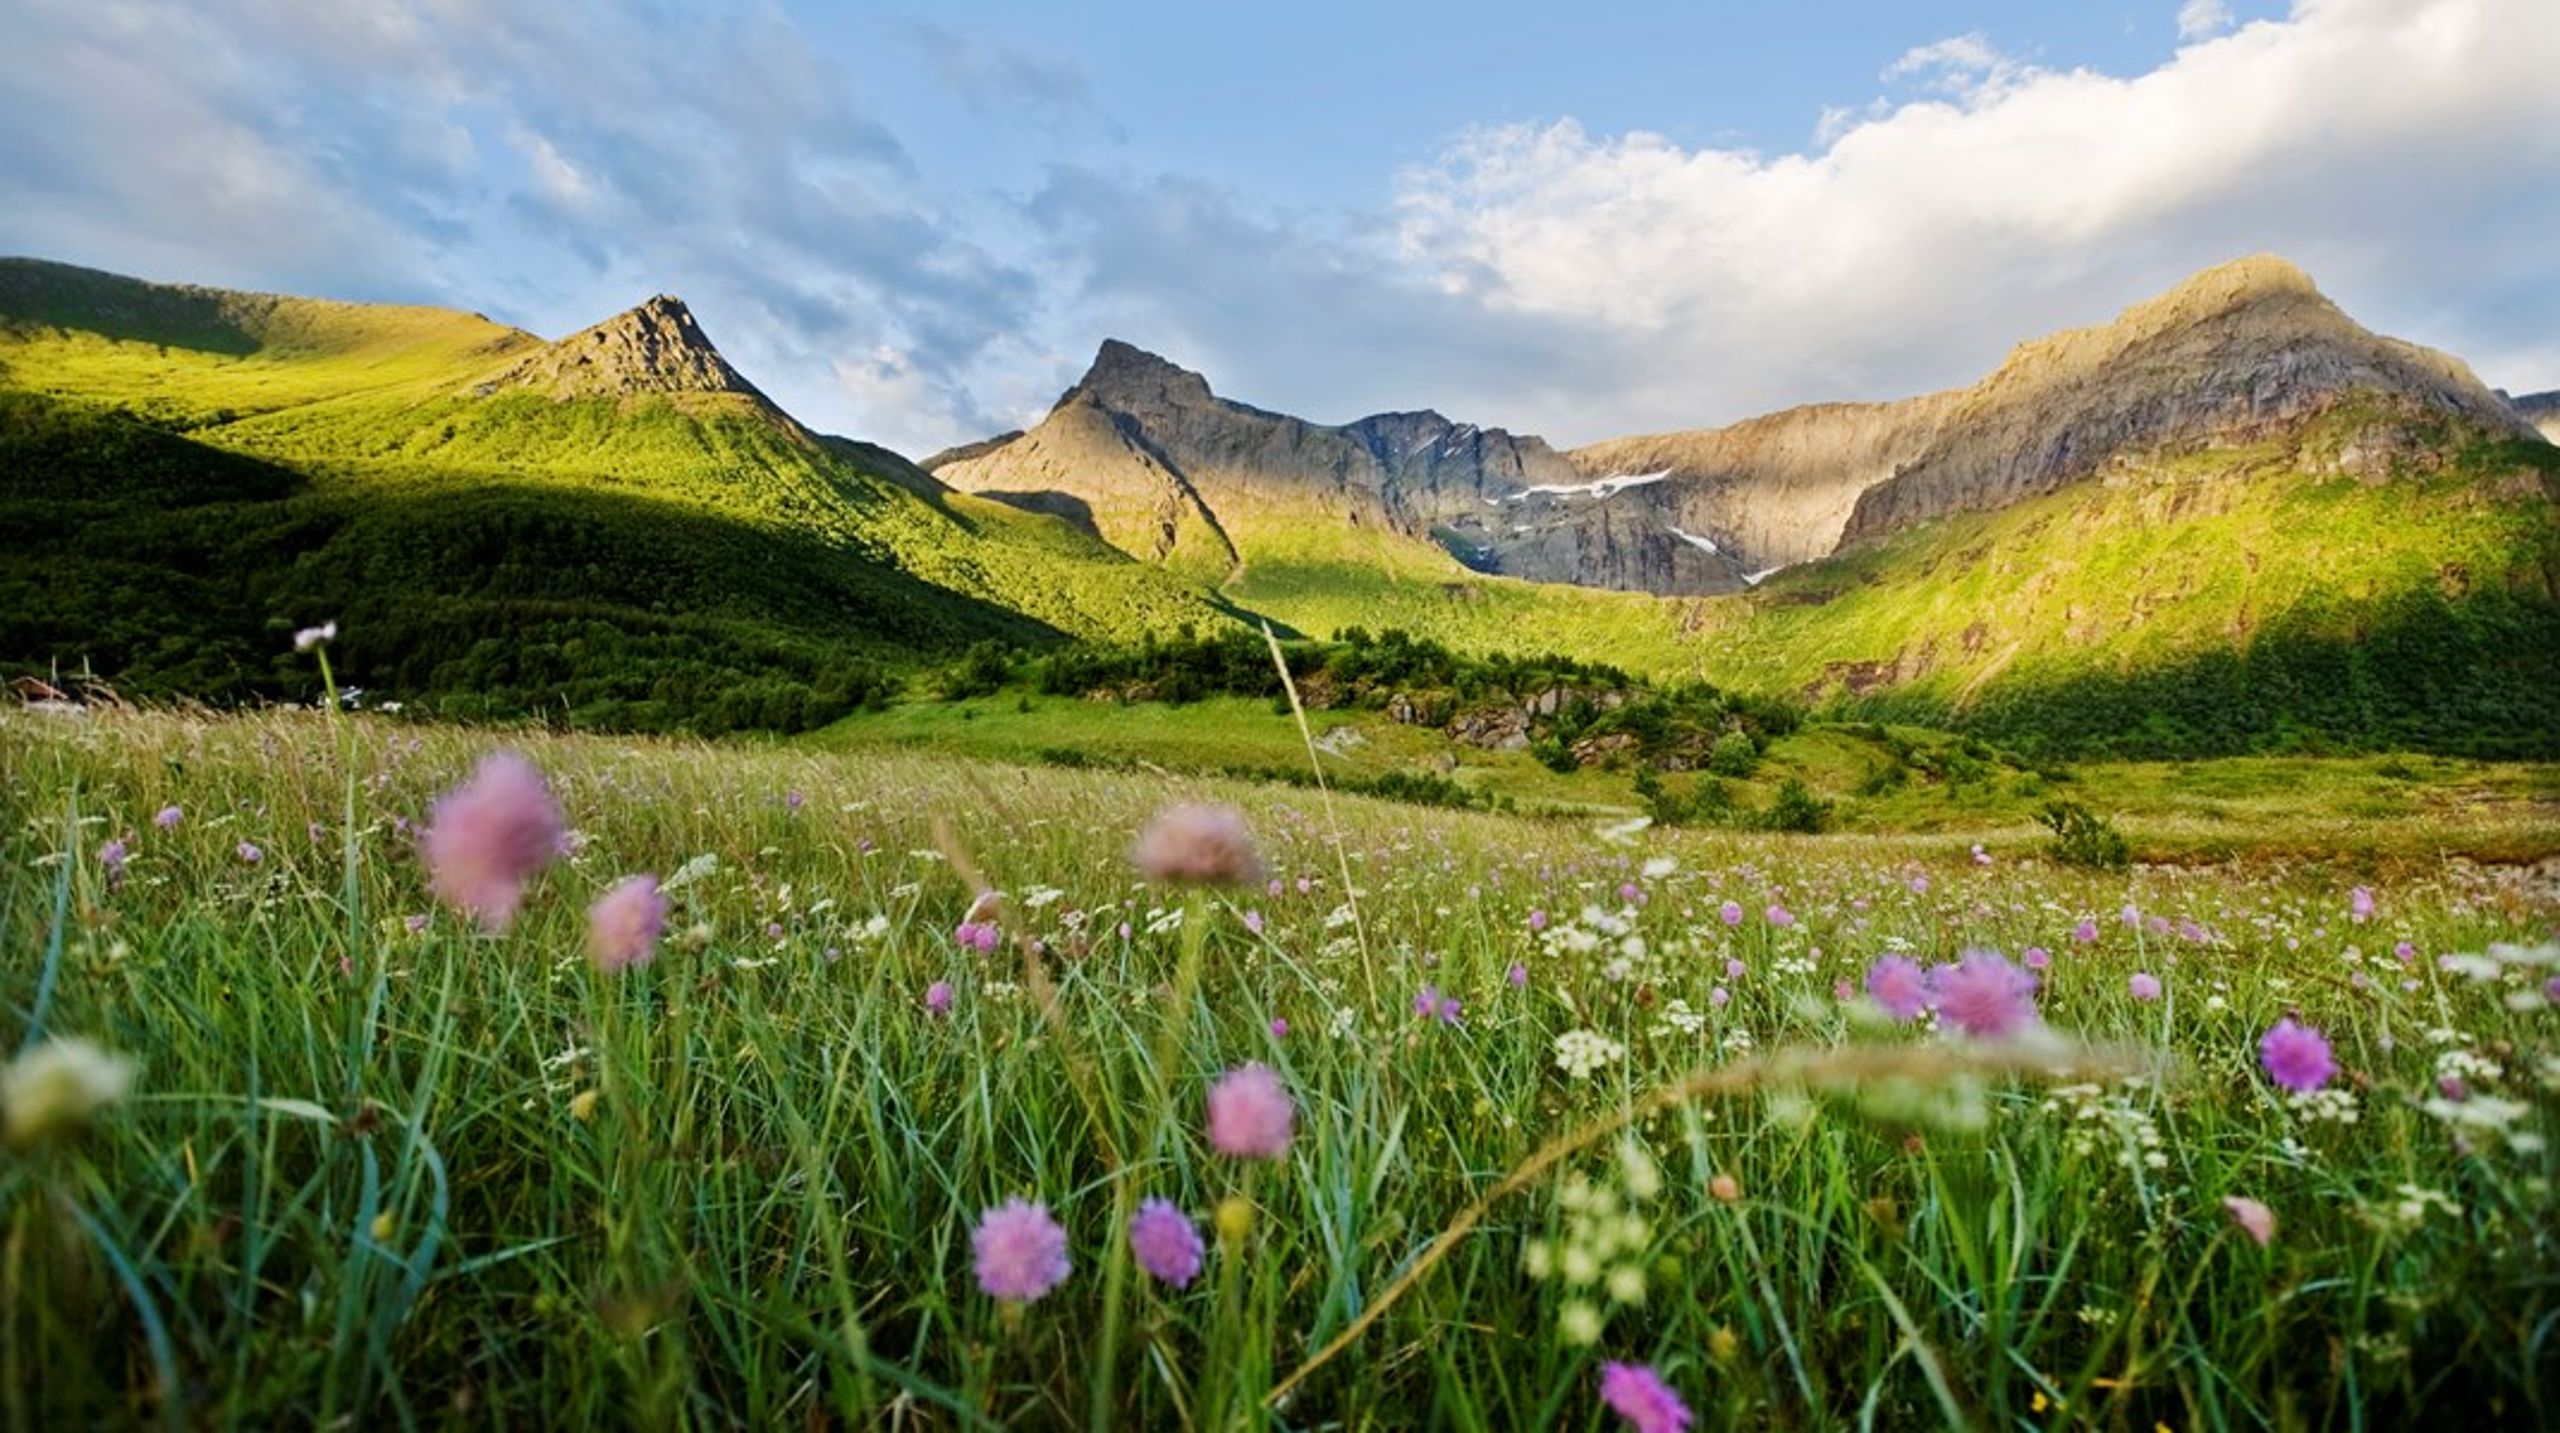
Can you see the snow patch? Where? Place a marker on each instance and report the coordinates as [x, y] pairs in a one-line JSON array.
[[1703, 544], [1754, 579], [1602, 488]]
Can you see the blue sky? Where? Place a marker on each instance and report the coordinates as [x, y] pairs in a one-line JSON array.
[[914, 223]]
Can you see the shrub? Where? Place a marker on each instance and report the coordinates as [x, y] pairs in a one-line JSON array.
[[1734, 754], [2083, 839], [1796, 808]]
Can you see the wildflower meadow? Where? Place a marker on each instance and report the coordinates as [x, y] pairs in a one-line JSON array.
[[365, 1074]]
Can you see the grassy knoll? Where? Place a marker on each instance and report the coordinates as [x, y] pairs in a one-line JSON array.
[[378, 1168]]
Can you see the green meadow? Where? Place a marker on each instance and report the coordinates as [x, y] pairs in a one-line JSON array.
[[1562, 1093]]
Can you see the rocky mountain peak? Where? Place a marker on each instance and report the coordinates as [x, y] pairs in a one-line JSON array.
[[1124, 375], [655, 347]]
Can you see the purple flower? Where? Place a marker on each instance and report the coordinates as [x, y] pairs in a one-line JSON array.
[[1780, 916], [2360, 904], [1021, 1251], [1984, 995], [2036, 958], [1638, 1394], [249, 853], [2255, 1219], [980, 936], [1981, 857], [793, 800], [2132, 914], [937, 998], [1730, 913], [1250, 1114], [2551, 990], [2144, 985], [1898, 986], [1734, 968], [2296, 1056], [1166, 1242], [112, 857], [489, 836], [623, 924], [1199, 845], [1919, 885], [1431, 1004], [417, 924], [1517, 975], [1253, 922], [1537, 920], [2086, 932], [1279, 1027], [1719, 997], [169, 816]]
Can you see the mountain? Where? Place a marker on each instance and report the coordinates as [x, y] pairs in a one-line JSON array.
[[2542, 410], [617, 525]]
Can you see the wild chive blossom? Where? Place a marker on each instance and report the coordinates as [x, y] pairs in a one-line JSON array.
[[1638, 1394], [169, 816], [1900, 988], [1199, 845], [2144, 985], [1021, 1253], [1166, 1242], [2255, 1219], [489, 836], [624, 923], [2296, 1057], [1250, 1114], [1984, 995]]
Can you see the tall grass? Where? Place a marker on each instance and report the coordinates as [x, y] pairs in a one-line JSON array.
[[384, 1176]]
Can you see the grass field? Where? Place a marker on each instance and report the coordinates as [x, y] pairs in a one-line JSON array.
[[376, 1168]]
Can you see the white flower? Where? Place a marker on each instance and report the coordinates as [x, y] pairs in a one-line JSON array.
[[1581, 1052], [1659, 867], [57, 1086]]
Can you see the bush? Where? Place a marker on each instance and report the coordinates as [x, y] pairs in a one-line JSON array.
[[1734, 754], [1797, 809], [2083, 839]]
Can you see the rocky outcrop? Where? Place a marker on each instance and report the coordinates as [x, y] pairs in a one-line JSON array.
[[654, 348]]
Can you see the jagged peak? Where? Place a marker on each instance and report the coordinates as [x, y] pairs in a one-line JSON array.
[[656, 346], [1124, 372]]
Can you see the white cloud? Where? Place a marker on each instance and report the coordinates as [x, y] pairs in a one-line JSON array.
[[2408, 154], [2203, 19]]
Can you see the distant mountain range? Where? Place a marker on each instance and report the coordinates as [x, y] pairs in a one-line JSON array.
[[2228, 519]]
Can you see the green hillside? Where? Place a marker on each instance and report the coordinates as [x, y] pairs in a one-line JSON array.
[[190, 473]]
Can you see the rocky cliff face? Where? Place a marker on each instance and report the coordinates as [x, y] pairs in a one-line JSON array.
[[1149, 457], [1141, 452], [654, 348]]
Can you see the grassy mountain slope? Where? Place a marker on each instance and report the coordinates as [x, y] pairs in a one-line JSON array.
[[649, 558]]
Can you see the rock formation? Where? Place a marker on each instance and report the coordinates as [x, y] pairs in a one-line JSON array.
[[654, 348]]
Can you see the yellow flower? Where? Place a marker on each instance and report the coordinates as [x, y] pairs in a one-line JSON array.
[[1235, 1219], [582, 1105]]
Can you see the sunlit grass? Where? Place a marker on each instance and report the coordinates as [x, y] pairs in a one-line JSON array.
[[354, 1180]]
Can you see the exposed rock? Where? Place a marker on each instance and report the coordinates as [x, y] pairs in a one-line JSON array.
[[654, 348], [1494, 728]]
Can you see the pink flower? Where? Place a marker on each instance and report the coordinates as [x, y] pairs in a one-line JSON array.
[[1719, 997], [1199, 845], [2086, 931], [1250, 1114], [2132, 914], [2296, 1056], [1537, 920], [489, 836], [1279, 1027], [2254, 1219], [1638, 1394], [2036, 958], [1734, 968], [1021, 1251], [1431, 1004], [1898, 987], [1984, 995], [1780, 916], [937, 998], [2360, 909], [980, 936], [1253, 922], [2144, 985], [112, 857], [623, 924], [1730, 912], [249, 853], [310, 637], [1166, 1242], [1919, 885], [1517, 975], [169, 816]]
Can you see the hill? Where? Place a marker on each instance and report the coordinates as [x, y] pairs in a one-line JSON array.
[[616, 528]]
